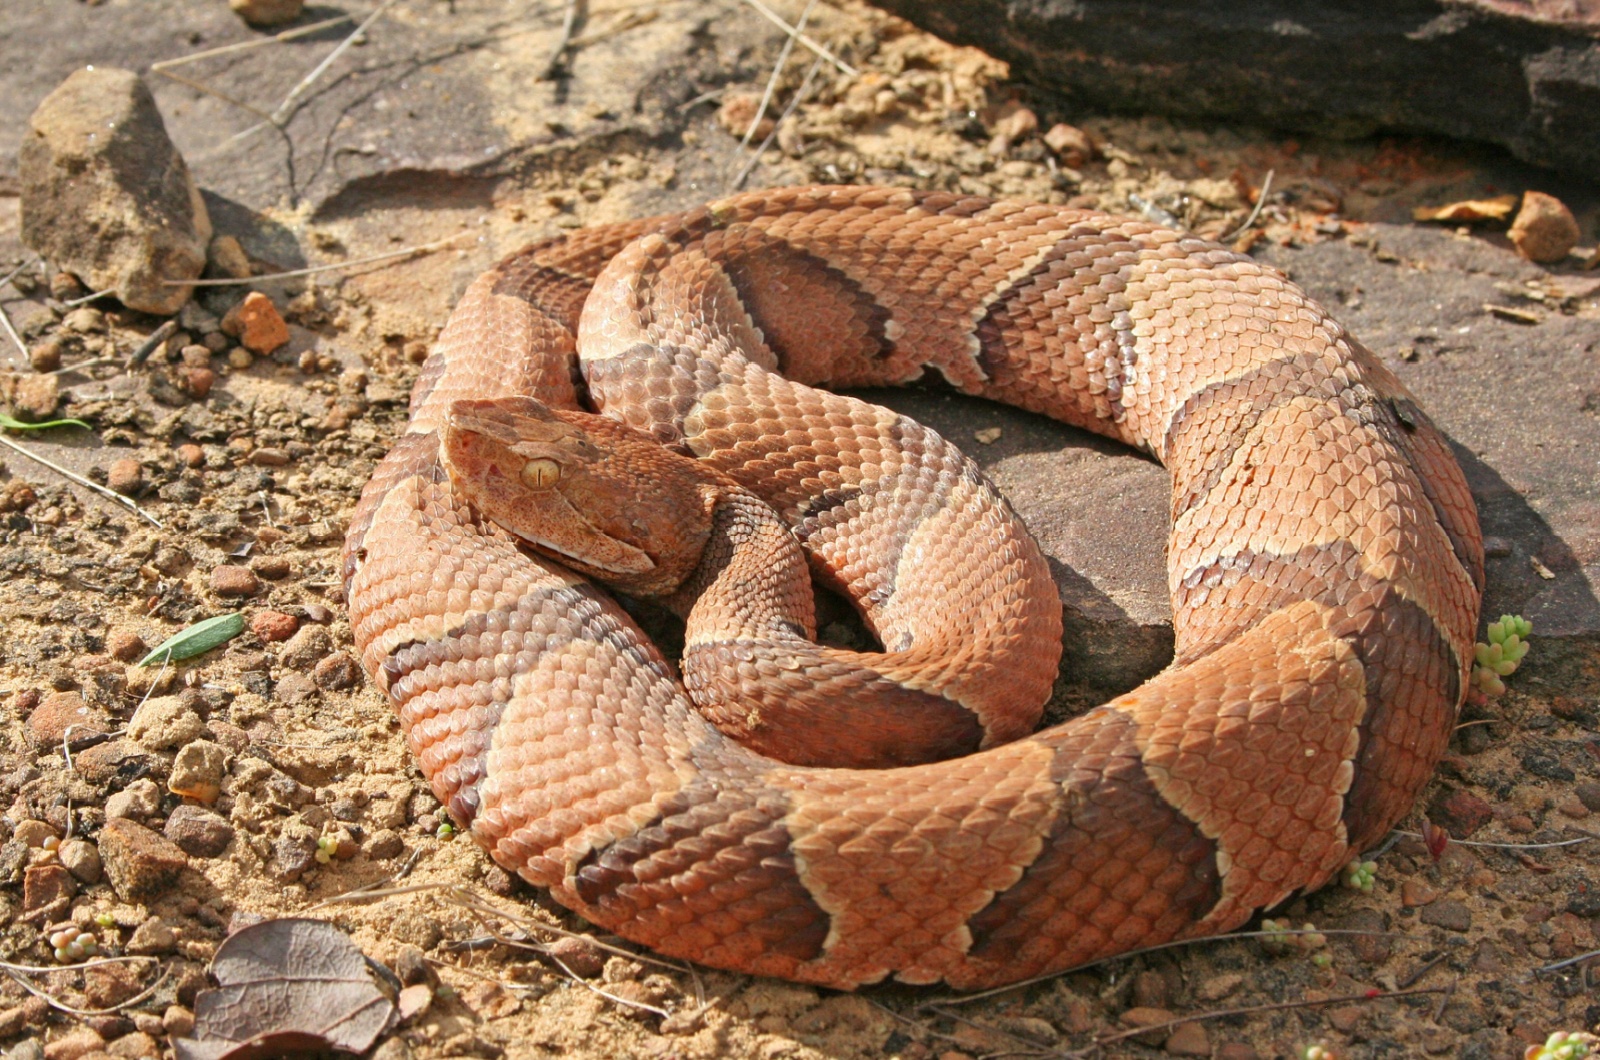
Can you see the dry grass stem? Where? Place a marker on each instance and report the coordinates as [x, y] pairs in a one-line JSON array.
[[778, 20], [799, 97], [424, 248], [73, 476]]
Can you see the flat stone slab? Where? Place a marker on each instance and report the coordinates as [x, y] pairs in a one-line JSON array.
[[1525, 75]]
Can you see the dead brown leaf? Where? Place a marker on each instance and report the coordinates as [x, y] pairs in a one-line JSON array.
[[287, 987], [1496, 209]]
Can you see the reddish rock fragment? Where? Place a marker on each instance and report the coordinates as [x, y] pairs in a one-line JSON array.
[[273, 625], [256, 323], [228, 580], [140, 864], [60, 711], [1460, 813]]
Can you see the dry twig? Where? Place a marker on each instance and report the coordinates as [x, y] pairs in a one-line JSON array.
[[799, 96], [423, 248], [73, 476], [778, 20], [569, 22]]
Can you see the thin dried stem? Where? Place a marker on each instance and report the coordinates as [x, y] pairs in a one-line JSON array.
[[1250, 1010], [799, 96], [56, 1003], [73, 476], [279, 116], [5, 322], [778, 20], [1261, 200], [243, 46], [777, 72], [314, 269], [569, 22], [1511, 846], [86, 299]]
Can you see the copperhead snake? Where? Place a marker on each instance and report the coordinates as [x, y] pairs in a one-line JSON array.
[[1325, 566]]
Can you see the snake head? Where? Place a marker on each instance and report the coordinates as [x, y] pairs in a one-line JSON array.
[[600, 497]]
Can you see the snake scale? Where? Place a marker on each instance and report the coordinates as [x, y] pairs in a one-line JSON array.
[[1325, 567]]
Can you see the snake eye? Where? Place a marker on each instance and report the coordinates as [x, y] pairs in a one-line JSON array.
[[541, 473]]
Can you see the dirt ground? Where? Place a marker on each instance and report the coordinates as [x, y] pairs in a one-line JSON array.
[[254, 480]]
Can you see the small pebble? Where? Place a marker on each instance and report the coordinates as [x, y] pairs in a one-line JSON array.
[[1070, 144], [153, 938], [257, 324], [240, 358], [336, 672], [191, 455], [56, 713], [270, 456], [83, 320], [126, 476], [306, 647], [33, 833], [273, 626], [45, 356], [125, 646], [385, 844], [272, 567], [138, 800], [1545, 230], [82, 859], [263, 13], [215, 341], [198, 831], [582, 957], [1188, 1039], [165, 723], [177, 1021], [196, 382], [229, 580], [74, 1045], [197, 771]]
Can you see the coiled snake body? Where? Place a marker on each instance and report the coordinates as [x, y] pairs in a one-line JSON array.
[[1325, 567]]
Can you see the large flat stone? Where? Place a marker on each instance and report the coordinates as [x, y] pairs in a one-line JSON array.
[[1520, 74], [438, 104], [1521, 404]]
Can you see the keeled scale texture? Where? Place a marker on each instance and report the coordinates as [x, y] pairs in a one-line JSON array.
[[1325, 566]]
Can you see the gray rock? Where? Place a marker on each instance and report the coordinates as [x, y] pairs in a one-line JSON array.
[[81, 858], [1492, 70], [105, 194], [198, 831], [140, 799]]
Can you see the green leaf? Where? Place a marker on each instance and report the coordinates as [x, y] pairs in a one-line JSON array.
[[197, 639], [11, 423]]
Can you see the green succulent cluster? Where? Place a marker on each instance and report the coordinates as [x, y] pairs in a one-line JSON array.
[[1562, 1045], [327, 846], [1508, 643], [1281, 938], [70, 945], [1359, 875], [1318, 1052]]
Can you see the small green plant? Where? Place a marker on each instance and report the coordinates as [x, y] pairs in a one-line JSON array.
[[105, 920], [1282, 939], [1359, 875], [327, 847], [1499, 658], [447, 831], [1318, 1051], [1562, 1045], [71, 945]]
